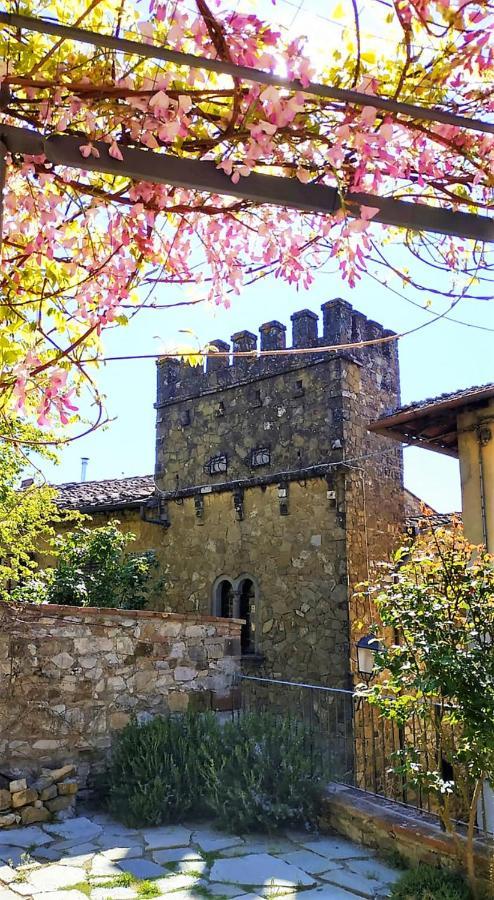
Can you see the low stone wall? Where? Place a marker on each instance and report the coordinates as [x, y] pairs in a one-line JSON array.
[[392, 828], [24, 801], [70, 677]]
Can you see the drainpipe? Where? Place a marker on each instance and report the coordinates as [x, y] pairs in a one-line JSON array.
[[484, 436], [485, 805]]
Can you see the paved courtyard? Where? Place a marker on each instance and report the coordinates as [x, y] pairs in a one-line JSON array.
[[95, 857]]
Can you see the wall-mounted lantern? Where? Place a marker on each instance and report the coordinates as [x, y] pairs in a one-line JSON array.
[[367, 647]]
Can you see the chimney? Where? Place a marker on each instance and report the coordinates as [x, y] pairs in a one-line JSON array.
[[84, 462], [26, 483]]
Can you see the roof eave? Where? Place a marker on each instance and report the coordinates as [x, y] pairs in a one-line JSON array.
[[412, 440], [423, 412], [91, 509]]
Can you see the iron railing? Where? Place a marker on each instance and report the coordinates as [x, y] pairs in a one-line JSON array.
[[352, 742]]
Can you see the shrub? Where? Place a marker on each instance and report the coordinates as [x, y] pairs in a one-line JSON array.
[[265, 776], [428, 883], [159, 769], [253, 774], [94, 568]]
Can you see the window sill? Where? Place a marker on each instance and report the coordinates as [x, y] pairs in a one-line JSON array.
[[257, 659]]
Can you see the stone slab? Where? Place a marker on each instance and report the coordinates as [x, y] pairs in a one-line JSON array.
[[181, 895], [374, 869], [110, 839], [193, 867], [328, 892], [259, 869], [13, 856], [250, 897], [166, 836], [7, 874], [337, 848], [101, 865], [140, 868], [79, 829], [60, 895], [275, 845], [114, 853], [177, 883], [115, 893], [176, 854], [7, 895], [351, 881], [25, 888], [80, 859], [54, 877], [214, 841], [224, 890], [308, 861], [47, 854], [24, 837]]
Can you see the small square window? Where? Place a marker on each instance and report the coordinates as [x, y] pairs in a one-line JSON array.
[[216, 465], [260, 456]]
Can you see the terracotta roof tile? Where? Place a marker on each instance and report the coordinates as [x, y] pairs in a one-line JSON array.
[[462, 396], [112, 493]]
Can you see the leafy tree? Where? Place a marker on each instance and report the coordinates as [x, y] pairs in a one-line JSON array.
[[28, 516], [94, 568], [435, 601], [77, 243]]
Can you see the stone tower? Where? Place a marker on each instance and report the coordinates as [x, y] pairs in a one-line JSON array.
[[276, 495]]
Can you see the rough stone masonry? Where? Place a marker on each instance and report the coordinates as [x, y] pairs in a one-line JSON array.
[[268, 475], [71, 677]]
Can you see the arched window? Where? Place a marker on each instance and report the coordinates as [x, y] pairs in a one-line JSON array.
[[237, 599], [223, 598], [226, 600], [247, 611]]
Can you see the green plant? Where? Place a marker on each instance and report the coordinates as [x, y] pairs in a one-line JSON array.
[[147, 889], [94, 568], [143, 887], [436, 602], [27, 515], [125, 879], [252, 774], [82, 886], [265, 775], [159, 769], [429, 883]]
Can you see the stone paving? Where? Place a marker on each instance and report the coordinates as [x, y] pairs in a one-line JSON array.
[[95, 857]]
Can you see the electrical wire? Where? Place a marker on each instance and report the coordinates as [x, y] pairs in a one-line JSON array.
[[288, 351], [188, 60]]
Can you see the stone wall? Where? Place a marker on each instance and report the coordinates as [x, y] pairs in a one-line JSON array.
[[297, 560], [71, 677], [404, 832], [305, 525]]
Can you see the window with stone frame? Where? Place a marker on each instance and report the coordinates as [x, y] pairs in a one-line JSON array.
[[237, 600]]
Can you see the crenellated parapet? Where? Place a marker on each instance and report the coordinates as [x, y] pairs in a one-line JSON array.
[[340, 325]]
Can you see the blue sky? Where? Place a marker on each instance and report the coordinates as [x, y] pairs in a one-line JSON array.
[[441, 357]]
